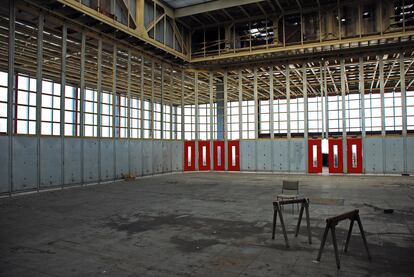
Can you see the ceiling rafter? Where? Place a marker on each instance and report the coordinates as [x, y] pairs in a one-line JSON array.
[[211, 6]]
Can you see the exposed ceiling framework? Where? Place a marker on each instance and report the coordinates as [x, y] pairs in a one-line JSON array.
[[210, 6]]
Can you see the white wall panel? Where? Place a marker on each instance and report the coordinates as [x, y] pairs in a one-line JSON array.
[[50, 161], [264, 155], [24, 163], [4, 164], [72, 161]]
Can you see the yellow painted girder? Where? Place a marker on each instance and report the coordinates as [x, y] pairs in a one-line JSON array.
[[140, 32]]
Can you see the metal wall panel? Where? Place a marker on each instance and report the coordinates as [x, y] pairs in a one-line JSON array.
[[90, 160], [177, 154], [136, 157], [122, 167], [410, 155], [166, 156], [157, 156], [394, 149], [147, 157], [373, 155], [4, 164], [107, 159], [264, 155], [248, 155], [50, 162], [297, 153], [24, 163], [72, 170], [281, 155]]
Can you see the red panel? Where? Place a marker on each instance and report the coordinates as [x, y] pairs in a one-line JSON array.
[[218, 162], [204, 164], [354, 158], [335, 166], [189, 155], [233, 149], [317, 166]]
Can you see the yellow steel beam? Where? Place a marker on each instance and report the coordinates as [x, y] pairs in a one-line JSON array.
[[139, 33]]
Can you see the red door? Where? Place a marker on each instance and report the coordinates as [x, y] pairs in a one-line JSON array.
[[314, 156], [335, 157], [233, 149], [204, 155], [354, 155], [218, 153], [189, 155]]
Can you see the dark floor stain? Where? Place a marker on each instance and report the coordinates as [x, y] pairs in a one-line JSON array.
[[327, 201], [188, 245], [30, 250], [219, 228]]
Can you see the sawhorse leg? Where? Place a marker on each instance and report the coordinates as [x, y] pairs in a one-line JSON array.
[[274, 221], [363, 235], [325, 235], [308, 223], [282, 223], [351, 225], [338, 262]]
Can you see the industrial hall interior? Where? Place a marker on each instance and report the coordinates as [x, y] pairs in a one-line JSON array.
[[234, 138]]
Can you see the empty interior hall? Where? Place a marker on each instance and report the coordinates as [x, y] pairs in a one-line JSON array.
[[206, 137]]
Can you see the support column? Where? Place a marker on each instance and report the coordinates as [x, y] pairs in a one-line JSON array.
[[82, 105], [182, 106], [210, 87], [152, 100], [225, 83], [305, 109], [362, 109], [62, 102], [305, 102], [383, 129], [381, 81], [10, 89], [173, 109], [325, 86], [271, 116], [39, 76], [404, 109], [162, 101], [129, 111], [288, 100], [115, 123], [322, 103], [197, 121], [256, 114], [142, 130], [240, 73], [256, 106], [99, 94], [343, 92], [271, 112], [362, 93], [220, 109]]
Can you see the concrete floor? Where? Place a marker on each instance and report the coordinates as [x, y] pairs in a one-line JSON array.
[[205, 224]]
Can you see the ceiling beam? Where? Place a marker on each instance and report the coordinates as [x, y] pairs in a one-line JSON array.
[[211, 6]]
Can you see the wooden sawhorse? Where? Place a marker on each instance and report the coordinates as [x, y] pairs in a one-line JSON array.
[[331, 224], [277, 210]]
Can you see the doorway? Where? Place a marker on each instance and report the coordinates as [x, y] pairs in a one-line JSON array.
[[325, 156]]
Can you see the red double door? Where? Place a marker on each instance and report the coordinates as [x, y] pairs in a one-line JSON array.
[[335, 155], [315, 156], [353, 155], [204, 155]]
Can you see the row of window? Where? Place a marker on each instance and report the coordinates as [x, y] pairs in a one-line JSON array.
[[113, 112], [164, 121]]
